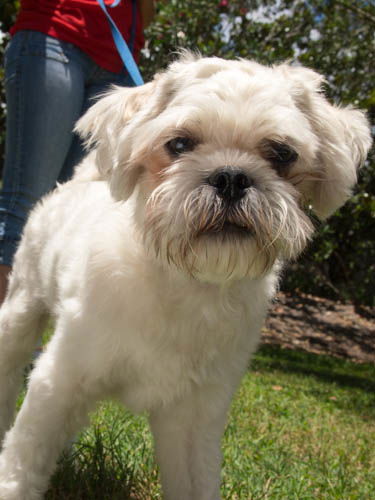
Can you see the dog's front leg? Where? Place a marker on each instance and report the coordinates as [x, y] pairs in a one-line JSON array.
[[188, 440]]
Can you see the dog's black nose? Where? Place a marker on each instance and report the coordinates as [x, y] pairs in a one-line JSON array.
[[230, 183]]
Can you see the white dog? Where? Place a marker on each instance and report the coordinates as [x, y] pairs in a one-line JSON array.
[[159, 270]]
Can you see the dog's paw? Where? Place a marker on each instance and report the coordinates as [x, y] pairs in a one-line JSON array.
[[14, 488], [11, 490]]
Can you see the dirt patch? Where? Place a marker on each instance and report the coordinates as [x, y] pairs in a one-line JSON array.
[[321, 326]]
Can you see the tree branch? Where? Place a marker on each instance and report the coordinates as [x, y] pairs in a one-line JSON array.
[[361, 12]]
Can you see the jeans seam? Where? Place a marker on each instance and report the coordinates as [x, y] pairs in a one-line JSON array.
[[18, 147]]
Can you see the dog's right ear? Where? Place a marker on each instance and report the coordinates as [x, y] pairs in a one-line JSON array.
[[105, 120], [344, 141]]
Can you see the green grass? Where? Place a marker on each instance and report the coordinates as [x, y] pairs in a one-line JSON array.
[[301, 427]]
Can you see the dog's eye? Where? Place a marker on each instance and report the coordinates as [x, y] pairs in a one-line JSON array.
[[279, 153], [180, 145]]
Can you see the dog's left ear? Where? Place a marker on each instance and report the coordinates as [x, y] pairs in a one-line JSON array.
[[105, 120], [344, 141]]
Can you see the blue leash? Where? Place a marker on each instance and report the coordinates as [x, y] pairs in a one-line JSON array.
[[121, 45]]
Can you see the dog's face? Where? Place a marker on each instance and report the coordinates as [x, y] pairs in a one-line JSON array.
[[226, 155]]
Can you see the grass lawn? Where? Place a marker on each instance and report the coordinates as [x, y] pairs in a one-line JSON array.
[[301, 427]]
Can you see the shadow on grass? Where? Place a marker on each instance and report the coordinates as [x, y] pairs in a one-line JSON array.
[[325, 368], [356, 380], [93, 470]]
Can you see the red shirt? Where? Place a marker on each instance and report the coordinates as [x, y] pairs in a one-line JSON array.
[[83, 23]]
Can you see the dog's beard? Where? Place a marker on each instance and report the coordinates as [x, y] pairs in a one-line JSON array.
[[214, 240]]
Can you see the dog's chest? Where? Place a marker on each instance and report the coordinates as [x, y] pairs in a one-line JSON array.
[[180, 340]]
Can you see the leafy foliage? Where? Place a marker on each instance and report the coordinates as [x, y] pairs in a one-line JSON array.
[[334, 37]]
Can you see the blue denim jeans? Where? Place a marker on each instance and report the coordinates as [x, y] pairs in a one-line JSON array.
[[49, 84]]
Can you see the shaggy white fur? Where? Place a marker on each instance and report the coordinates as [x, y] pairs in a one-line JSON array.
[[158, 260]]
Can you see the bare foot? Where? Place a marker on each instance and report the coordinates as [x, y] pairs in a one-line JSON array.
[[4, 274]]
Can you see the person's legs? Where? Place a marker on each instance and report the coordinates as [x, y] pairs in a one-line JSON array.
[[44, 83]]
